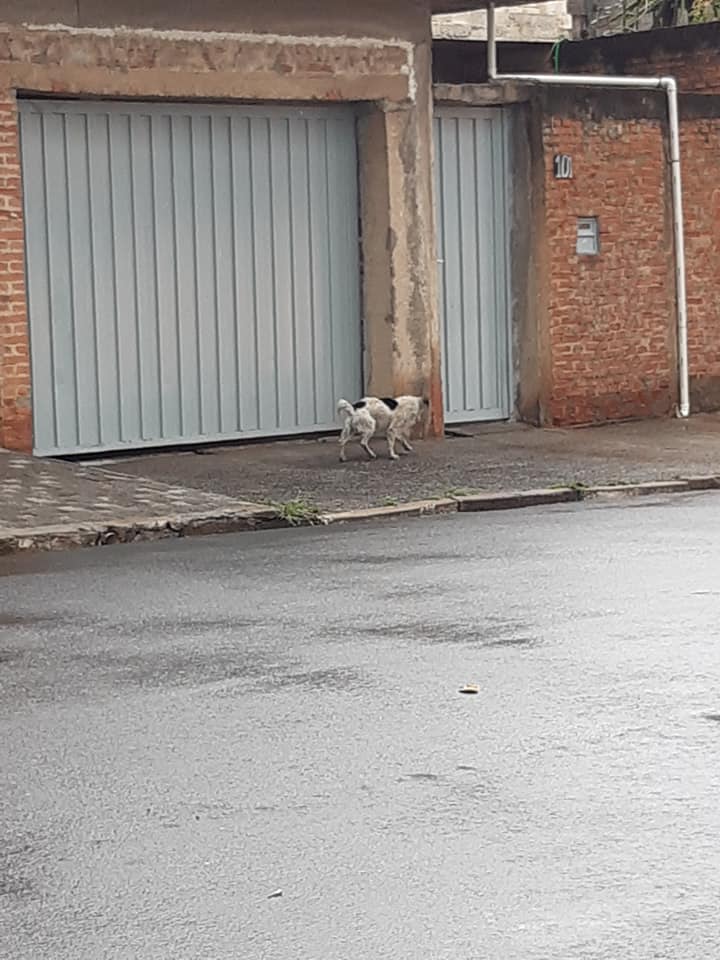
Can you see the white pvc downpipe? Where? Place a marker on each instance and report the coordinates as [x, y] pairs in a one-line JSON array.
[[669, 85]]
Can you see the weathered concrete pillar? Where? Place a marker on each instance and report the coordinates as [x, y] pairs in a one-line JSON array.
[[402, 339], [580, 12]]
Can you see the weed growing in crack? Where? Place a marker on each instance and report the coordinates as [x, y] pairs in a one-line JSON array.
[[297, 512]]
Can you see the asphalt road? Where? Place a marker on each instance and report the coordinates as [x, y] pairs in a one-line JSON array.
[[189, 727]]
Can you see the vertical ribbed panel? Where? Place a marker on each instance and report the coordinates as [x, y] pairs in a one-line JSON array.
[[192, 271], [471, 184]]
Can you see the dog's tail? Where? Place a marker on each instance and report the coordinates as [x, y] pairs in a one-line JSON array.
[[345, 409]]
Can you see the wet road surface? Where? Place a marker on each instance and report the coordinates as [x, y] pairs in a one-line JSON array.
[[191, 726]]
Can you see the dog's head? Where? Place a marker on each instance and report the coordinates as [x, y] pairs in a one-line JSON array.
[[417, 406], [421, 413]]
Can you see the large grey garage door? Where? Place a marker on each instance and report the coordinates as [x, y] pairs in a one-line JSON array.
[[471, 195], [192, 271]]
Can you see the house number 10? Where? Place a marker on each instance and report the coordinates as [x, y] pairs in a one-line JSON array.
[[562, 165]]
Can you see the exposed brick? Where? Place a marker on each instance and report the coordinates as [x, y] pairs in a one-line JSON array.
[[701, 176], [612, 318], [15, 414], [633, 279], [690, 54]]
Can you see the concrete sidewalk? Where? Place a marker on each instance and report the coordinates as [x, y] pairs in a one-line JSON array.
[[55, 504], [492, 458], [50, 504]]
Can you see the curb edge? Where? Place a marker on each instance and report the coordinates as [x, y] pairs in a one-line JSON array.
[[64, 537]]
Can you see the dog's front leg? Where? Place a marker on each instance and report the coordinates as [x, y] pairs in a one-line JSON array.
[[406, 444], [344, 437]]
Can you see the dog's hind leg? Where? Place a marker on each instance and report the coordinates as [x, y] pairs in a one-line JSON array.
[[365, 444], [406, 444], [391, 438]]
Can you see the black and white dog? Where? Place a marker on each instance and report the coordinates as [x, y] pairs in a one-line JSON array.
[[392, 417]]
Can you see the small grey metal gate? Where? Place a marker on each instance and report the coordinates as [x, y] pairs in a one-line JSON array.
[[193, 271], [471, 197]]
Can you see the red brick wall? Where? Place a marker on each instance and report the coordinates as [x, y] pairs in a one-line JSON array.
[[610, 316], [699, 73], [690, 54], [695, 73], [15, 422], [624, 302], [700, 145], [604, 330]]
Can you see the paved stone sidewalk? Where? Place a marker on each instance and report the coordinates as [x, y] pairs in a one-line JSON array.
[[51, 494], [490, 457]]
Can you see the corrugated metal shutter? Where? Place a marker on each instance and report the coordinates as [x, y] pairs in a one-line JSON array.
[[193, 271], [471, 191]]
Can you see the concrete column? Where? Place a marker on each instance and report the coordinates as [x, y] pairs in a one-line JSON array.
[[579, 11], [402, 337]]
